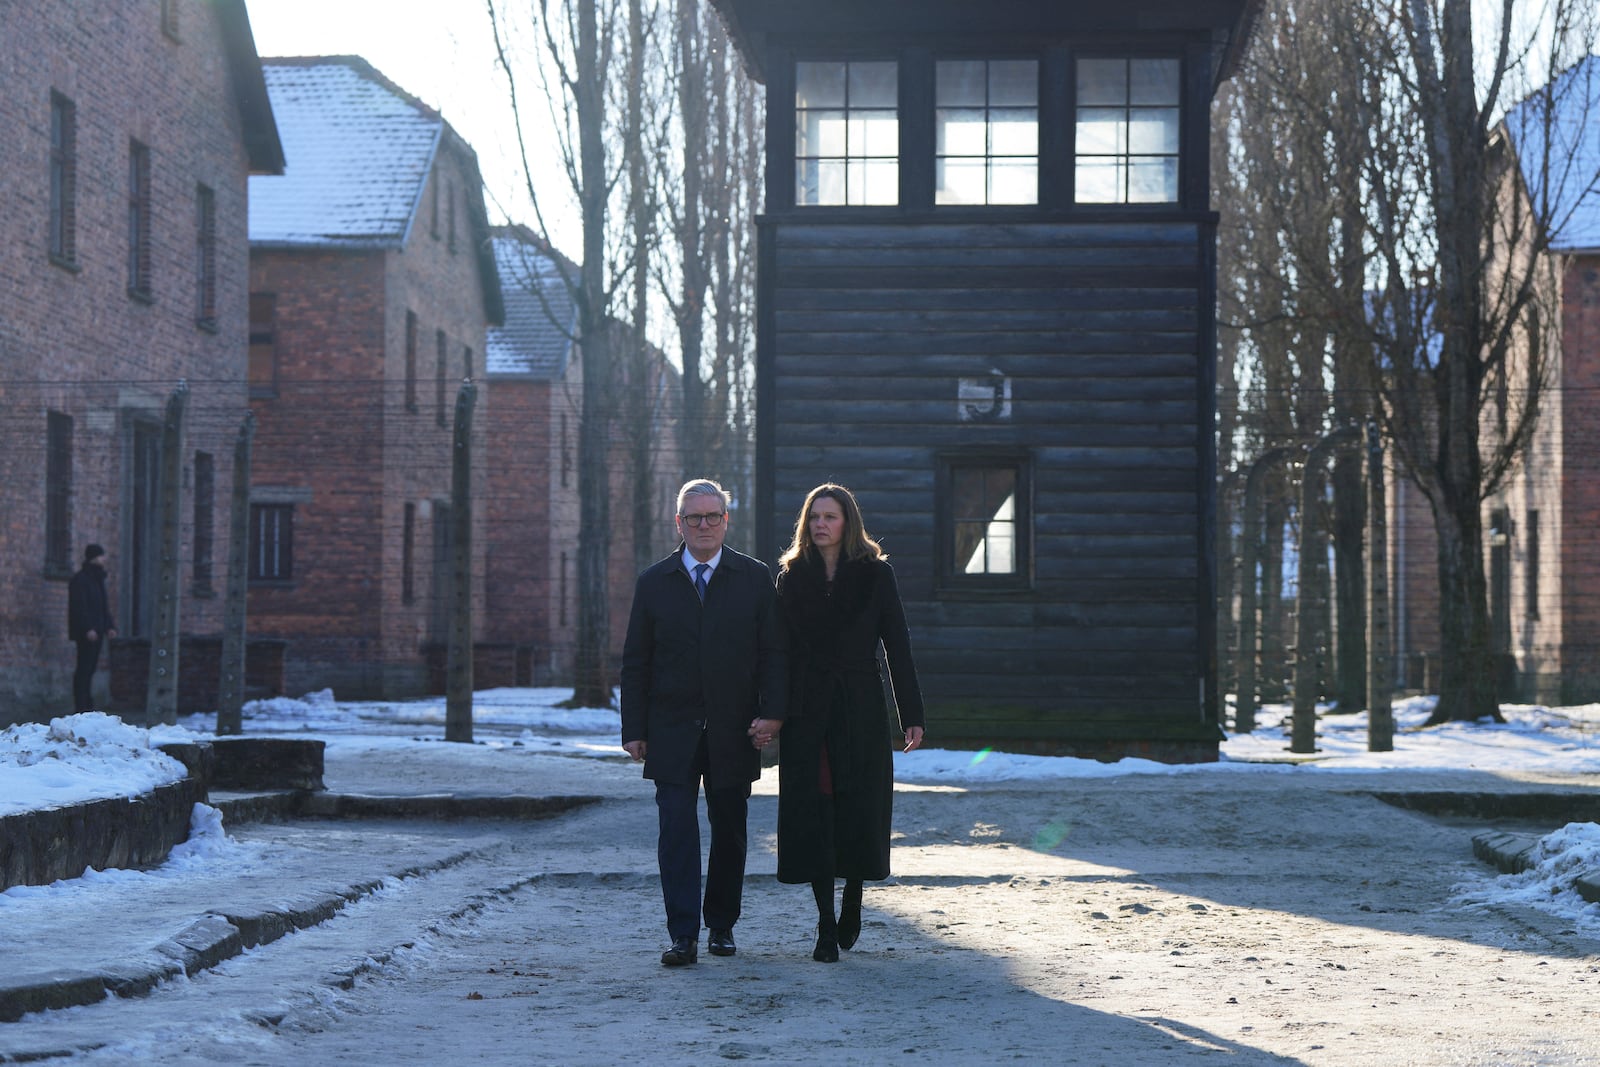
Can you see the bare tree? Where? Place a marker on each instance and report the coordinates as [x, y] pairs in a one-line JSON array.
[[1412, 255], [576, 67], [1460, 266]]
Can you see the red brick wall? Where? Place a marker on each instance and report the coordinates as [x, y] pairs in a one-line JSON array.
[[74, 341], [340, 443], [1579, 532], [533, 520]]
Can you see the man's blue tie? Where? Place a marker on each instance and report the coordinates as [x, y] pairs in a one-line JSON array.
[[700, 578]]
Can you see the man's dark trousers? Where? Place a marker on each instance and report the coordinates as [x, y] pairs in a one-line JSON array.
[[83, 677], [678, 853]]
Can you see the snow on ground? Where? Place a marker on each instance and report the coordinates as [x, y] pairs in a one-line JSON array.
[[89, 756]]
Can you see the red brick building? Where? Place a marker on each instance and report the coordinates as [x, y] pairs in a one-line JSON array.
[[372, 282], [130, 129], [534, 362], [1542, 528]]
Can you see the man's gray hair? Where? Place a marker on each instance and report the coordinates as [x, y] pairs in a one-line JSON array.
[[702, 487]]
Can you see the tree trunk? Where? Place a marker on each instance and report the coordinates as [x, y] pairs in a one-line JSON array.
[[1466, 669], [1274, 623], [592, 687], [642, 422], [691, 305], [1349, 528]]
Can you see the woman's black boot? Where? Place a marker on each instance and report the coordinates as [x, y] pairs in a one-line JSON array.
[[827, 950], [850, 914]]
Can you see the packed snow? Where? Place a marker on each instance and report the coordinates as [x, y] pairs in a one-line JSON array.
[[93, 755]]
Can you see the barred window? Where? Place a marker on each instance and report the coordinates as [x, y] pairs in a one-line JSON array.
[[271, 542], [205, 257], [411, 361], [63, 180], [263, 370], [138, 220], [58, 494]]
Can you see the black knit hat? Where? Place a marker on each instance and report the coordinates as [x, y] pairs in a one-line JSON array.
[[93, 552]]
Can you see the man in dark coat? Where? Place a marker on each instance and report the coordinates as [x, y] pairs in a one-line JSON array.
[[89, 622], [704, 683]]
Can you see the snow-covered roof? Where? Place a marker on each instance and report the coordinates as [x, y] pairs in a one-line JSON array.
[[541, 318], [1565, 181], [357, 150]]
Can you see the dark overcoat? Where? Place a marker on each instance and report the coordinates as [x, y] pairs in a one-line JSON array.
[[88, 606], [836, 706], [716, 666]]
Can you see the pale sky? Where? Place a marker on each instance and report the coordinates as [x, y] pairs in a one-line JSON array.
[[440, 51]]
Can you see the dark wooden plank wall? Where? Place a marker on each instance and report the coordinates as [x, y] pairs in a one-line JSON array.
[[1098, 326]]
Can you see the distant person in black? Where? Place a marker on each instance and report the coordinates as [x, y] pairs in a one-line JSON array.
[[89, 622]]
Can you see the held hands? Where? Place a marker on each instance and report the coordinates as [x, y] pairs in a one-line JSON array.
[[762, 731], [913, 739]]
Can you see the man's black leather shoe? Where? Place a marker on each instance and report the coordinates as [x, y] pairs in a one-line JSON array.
[[721, 943], [684, 950]]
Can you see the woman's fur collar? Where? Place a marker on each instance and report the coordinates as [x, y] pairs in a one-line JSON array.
[[804, 592]]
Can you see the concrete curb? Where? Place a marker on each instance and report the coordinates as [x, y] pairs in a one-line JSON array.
[[1514, 853], [207, 941], [303, 804], [1544, 805]]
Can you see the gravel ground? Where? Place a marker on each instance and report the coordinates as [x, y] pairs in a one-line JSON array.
[[1237, 918]]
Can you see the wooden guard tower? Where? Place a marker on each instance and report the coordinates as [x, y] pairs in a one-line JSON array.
[[987, 292]]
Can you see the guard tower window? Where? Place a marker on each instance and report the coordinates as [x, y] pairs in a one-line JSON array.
[[1127, 131], [985, 522], [987, 132], [847, 133]]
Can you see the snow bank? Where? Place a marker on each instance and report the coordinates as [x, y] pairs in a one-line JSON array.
[[89, 756]]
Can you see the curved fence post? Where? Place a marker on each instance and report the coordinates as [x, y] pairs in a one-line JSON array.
[[1380, 710], [1244, 713], [1310, 635]]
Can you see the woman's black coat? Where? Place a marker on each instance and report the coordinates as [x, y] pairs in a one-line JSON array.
[[689, 667], [836, 704]]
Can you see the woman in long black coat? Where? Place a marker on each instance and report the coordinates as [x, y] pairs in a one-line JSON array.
[[837, 595]]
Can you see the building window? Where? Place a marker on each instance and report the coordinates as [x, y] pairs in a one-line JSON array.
[[138, 221], [847, 133], [1531, 565], [271, 542], [411, 361], [441, 377], [58, 494], [408, 556], [205, 257], [985, 518], [566, 453], [263, 344], [205, 488], [433, 200], [63, 180], [450, 216], [1127, 131], [169, 18], [987, 132]]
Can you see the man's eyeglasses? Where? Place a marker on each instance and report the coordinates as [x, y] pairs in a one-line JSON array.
[[712, 519]]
